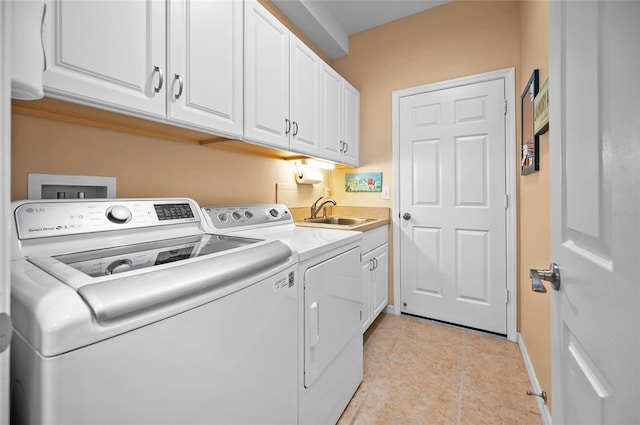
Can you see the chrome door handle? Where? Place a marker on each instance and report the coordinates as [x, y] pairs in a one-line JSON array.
[[551, 275], [406, 216]]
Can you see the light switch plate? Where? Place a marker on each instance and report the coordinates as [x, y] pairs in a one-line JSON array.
[[385, 192]]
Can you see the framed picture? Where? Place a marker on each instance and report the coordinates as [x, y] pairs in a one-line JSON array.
[[363, 182], [541, 106], [529, 162]]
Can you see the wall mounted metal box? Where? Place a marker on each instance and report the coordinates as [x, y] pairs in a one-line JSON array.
[[59, 186]]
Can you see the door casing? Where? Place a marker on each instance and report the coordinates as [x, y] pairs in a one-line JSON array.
[[508, 75]]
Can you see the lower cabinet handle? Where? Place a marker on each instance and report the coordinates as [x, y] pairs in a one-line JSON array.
[[295, 128]]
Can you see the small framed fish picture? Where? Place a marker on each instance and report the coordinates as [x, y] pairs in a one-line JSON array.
[[363, 182]]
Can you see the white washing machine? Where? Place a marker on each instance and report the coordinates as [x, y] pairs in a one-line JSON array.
[[129, 312], [331, 303]]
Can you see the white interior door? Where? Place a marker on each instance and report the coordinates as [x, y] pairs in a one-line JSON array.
[[452, 200], [595, 217], [5, 197]]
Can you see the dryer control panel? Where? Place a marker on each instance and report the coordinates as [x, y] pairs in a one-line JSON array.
[[57, 218], [239, 217]]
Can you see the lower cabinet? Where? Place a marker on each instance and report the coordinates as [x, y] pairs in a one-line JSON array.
[[375, 278]]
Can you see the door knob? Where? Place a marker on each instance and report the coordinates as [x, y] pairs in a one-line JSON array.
[[406, 216], [551, 275]]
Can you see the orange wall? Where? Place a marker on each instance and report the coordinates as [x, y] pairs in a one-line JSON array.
[[450, 41], [143, 166], [534, 244]]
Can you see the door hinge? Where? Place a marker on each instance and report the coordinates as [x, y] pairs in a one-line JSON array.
[[506, 201], [6, 331], [505, 106], [508, 296]]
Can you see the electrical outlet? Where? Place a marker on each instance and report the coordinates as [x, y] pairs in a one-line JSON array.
[[385, 192]]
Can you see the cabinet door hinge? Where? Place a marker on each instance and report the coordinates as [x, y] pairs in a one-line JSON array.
[[6, 331], [508, 296], [505, 106], [506, 201]]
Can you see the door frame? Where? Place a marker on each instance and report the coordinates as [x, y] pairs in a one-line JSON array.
[[508, 75]]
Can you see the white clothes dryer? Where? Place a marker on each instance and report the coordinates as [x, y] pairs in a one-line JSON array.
[[331, 302]]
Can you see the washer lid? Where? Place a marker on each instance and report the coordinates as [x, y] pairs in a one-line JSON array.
[[120, 281]]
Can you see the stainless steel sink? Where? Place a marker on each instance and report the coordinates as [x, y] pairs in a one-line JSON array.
[[341, 221]]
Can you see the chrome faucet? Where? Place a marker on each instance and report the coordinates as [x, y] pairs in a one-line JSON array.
[[315, 208]]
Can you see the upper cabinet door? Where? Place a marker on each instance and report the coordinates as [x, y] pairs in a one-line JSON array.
[[331, 114], [266, 100], [304, 107], [339, 118], [107, 53], [204, 79], [351, 125]]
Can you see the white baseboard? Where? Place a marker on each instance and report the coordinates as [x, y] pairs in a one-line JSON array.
[[389, 309], [535, 385]]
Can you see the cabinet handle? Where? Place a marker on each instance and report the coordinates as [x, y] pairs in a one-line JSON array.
[[375, 261], [287, 126], [295, 128], [372, 266], [346, 148], [180, 86], [161, 79], [341, 146], [44, 53]]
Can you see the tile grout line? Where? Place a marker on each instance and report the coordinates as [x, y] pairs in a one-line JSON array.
[[375, 381], [464, 351]]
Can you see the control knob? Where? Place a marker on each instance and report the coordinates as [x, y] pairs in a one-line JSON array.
[[118, 214], [222, 217], [236, 215], [273, 212]]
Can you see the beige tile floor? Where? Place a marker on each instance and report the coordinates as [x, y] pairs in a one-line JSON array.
[[421, 372]]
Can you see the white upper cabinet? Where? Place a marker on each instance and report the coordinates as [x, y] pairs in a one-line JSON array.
[[110, 53], [304, 106], [204, 79], [224, 67], [350, 124], [339, 118], [331, 111], [179, 60], [282, 85], [266, 83]]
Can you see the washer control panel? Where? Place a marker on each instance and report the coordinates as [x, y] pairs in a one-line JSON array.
[[39, 219], [237, 217]]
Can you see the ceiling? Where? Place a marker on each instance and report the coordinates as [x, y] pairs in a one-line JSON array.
[[329, 23]]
